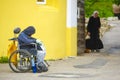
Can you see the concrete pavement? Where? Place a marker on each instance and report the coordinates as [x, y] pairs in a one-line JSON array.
[[90, 66], [93, 66], [111, 38]]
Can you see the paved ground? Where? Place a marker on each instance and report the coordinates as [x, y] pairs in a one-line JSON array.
[[112, 38], [92, 66]]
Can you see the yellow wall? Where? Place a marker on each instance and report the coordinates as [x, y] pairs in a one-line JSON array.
[[71, 41], [49, 21]]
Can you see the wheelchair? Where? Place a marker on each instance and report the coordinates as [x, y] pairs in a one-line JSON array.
[[20, 60]]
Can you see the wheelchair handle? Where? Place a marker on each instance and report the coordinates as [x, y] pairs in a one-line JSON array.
[[12, 39]]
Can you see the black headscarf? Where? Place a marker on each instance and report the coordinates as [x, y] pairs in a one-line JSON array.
[[30, 30]]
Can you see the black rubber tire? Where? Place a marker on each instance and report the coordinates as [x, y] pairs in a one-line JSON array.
[[26, 55]]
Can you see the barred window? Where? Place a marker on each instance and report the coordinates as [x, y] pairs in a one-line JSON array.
[[41, 1]]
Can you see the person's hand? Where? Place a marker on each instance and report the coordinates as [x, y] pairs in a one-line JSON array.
[[38, 41], [88, 33]]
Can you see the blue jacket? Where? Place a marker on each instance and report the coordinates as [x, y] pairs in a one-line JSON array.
[[25, 39], [25, 36]]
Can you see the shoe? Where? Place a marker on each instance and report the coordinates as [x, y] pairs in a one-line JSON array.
[[92, 50], [97, 50], [87, 51], [45, 69], [39, 69], [42, 68]]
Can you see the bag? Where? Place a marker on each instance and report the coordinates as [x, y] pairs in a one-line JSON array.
[[87, 37], [87, 50], [11, 48]]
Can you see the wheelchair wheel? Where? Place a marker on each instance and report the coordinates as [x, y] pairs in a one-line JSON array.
[[19, 61]]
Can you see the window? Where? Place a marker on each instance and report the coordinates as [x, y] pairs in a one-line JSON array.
[[41, 1]]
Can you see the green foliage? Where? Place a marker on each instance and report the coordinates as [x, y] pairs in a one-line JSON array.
[[116, 2], [103, 6], [3, 59]]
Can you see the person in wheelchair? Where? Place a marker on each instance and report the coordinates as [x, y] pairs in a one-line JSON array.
[[24, 38]]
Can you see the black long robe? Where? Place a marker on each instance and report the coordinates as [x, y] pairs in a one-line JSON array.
[[93, 27]]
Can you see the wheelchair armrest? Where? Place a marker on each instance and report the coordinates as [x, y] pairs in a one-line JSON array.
[[33, 45]]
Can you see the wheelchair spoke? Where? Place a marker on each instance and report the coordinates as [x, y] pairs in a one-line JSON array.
[[19, 61]]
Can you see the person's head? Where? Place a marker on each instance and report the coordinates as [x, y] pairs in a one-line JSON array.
[[30, 30], [95, 14]]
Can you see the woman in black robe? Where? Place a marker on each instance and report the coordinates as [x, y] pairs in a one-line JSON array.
[[93, 30]]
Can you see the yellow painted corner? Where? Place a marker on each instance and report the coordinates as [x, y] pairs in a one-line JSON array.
[[71, 41]]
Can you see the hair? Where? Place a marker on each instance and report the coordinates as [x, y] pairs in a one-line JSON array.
[[95, 13]]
